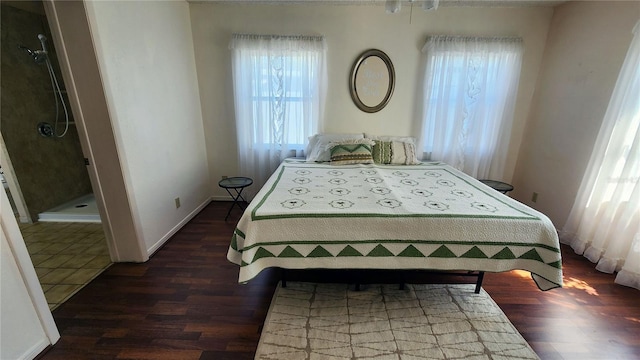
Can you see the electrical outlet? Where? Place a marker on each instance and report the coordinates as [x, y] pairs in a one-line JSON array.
[[177, 200], [534, 197]]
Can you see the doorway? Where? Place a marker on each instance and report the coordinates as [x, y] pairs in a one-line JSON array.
[[47, 163]]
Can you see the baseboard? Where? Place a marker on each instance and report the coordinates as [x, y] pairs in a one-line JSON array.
[[221, 198], [175, 229], [36, 350]]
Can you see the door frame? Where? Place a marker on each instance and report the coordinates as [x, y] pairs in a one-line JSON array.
[[9, 226], [79, 64]]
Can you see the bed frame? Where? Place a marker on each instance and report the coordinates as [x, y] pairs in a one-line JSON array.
[[479, 275]]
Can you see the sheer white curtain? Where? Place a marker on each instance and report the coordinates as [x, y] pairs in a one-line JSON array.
[[279, 90], [604, 223], [470, 91]]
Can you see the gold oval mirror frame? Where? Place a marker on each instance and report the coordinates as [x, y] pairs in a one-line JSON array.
[[372, 81]]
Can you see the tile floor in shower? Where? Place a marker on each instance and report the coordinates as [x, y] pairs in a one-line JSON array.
[[66, 256]]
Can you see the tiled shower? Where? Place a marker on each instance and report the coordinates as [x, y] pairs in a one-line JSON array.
[[50, 171]]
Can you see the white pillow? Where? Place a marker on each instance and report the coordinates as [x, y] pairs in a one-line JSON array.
[[318, 149], [409, 139]]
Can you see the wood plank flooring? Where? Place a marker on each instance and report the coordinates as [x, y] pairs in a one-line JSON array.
[[185, 303]]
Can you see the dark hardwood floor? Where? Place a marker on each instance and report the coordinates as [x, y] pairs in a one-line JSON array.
[[185, 303]]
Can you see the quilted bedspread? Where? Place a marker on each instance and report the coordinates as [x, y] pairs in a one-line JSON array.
[[427, 216]]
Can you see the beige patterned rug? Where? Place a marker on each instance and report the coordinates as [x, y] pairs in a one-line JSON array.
[[330, 321]]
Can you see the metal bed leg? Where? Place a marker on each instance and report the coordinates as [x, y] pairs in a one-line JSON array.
[[283, 276], [479, 282]]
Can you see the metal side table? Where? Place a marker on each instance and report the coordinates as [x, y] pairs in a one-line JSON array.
[[235, 184]]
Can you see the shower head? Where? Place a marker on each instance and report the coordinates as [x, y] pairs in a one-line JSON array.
[[43, 40]]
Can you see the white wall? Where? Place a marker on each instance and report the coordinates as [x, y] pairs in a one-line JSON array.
[[349, 30], [146, 59], [587, 43]]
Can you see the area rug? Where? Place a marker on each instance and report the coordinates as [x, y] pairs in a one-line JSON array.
[[332, 321]]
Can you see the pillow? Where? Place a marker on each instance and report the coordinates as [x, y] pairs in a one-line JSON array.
[[394, 152], [317, 150], [409, 139], [351, 152]]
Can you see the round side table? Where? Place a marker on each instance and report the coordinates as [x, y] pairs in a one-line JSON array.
[[235, 184]]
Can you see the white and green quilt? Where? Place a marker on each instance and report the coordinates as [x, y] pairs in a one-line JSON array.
[[427, 216]]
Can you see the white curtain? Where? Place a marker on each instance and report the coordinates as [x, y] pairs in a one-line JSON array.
[[604, 223], [470, 91], [279, 91]]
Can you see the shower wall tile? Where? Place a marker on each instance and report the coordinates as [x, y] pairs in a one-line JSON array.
[[50, 171]]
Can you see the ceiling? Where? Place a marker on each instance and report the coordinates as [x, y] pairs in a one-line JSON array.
[[443, 3]]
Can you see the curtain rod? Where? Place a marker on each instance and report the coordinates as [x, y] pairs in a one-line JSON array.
[[278, 37], [476, 38]]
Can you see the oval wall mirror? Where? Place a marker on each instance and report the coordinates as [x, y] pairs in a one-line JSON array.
[[372, 81]]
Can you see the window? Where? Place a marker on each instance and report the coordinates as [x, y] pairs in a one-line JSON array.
[[469, 89], [283, 97], [604, 223], [279, 88]]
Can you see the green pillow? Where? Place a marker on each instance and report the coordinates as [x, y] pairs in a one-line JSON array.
[[344, 154]]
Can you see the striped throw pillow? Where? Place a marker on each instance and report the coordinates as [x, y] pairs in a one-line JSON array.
[[351, 153], [394, 152]]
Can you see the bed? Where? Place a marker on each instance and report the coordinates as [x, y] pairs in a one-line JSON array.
[[374, 216]]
